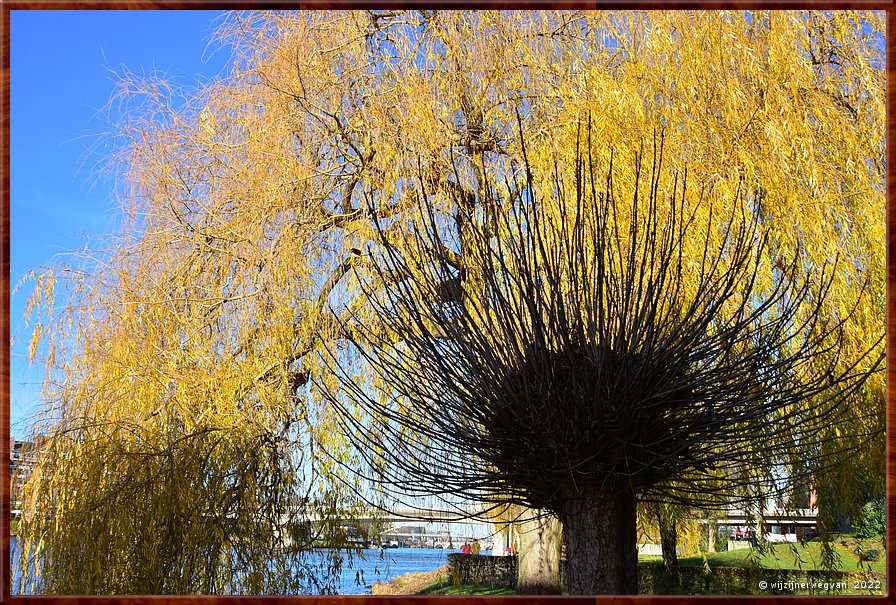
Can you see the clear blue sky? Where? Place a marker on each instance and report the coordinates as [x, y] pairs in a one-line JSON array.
[[62, 65]]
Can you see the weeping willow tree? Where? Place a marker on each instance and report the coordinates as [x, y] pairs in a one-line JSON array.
[[179, 441], [250, 206]]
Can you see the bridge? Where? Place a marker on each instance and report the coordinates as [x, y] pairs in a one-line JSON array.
[[433, 527], [426, 515]]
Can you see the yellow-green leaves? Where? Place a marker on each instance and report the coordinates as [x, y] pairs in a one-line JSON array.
[[173, 360]]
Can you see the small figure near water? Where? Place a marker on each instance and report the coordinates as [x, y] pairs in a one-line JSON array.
[[466, 548]]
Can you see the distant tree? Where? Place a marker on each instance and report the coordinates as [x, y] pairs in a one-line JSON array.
[[666, 521], [607, 349]]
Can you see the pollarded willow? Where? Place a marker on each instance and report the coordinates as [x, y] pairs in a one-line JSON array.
[[610, 354]]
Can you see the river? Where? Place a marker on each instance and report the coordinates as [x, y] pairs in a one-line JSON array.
[[393, 562], [376, 566]]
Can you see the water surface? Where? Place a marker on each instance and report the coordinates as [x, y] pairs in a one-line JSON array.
[[373, 566]]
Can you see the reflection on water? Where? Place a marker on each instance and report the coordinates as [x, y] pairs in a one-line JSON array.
[[373, 566]]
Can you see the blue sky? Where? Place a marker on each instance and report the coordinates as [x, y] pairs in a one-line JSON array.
[[62, 75]]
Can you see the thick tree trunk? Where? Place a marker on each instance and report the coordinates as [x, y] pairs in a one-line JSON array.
[[601, 542], [538, 562]]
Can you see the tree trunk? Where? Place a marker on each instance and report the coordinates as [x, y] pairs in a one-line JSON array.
[[602, 544], [669, 542], [538, 562]]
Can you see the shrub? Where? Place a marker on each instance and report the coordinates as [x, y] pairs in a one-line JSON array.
[[872, 519]]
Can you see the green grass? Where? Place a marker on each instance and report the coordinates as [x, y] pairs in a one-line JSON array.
[[443, 586], [789, 556], [780, 556], [469, 589]]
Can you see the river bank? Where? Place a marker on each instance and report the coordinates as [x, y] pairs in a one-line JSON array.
[[410, 583]]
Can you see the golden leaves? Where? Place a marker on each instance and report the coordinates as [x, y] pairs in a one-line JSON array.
[[35, 339], [232, 193]]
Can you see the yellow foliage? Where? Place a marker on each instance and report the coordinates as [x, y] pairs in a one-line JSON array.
[[171, 395]]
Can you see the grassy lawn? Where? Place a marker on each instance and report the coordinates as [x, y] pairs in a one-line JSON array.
[[781, 556], [438, 583], [789, 556], [464, 589]]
